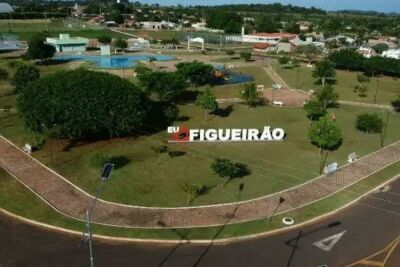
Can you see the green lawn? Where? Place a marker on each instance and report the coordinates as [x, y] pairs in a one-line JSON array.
[[155, 180], [25, 29], [17, 199], [301, 78]]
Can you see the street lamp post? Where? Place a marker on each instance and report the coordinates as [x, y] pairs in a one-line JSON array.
[[106, 173]]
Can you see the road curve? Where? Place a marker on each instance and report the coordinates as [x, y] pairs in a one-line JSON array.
[[370, 225]]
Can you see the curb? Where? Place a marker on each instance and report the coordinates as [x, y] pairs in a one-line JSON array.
[[223, 241]]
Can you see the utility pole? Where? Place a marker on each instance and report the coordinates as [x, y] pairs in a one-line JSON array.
[[87, 236], [376, 91]]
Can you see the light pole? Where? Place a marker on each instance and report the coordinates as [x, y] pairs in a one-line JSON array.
[[105, 175]]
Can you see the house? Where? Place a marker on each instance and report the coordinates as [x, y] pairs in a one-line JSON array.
[[269, 38], [263, 47], [392, 53], [286, 47], [383, 40], [367, 51], [155, 25], [304, 25], [202, 26], [67, 44]]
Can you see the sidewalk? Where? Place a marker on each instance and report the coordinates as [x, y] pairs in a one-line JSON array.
[[73, 202]]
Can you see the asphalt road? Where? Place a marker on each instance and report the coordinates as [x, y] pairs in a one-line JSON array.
[[369, 227]]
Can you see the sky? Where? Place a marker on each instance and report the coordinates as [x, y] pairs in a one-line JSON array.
[[366, 5]]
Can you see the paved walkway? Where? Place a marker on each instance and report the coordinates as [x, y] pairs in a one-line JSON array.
[[276, 78], [72, 201]]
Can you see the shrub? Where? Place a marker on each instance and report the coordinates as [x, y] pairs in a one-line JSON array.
[[369, 123], [104, 39], [159, 149], [226, 168], [83, 104], [230, 52], [396, 104], [246, 56], [3, 74], [284, 60], [177, 153]]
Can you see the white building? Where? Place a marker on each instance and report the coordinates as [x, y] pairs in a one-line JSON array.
[[155, 25], [366, 50], [202, 27], [392, 53], [268, 38], [65, 43]]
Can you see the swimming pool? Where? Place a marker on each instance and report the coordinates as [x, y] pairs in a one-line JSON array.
[[114, 62]]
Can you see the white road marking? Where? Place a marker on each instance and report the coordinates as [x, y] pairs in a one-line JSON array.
[[328, 243]]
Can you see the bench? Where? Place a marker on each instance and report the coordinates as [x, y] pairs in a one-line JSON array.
[[352, 157], [27, 148], [260, 87], [330, 168]]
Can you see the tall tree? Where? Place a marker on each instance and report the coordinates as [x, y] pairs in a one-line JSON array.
[[327, 96], [207, 101], [250, 95], [327, 136], [38, 49], [323, 70]]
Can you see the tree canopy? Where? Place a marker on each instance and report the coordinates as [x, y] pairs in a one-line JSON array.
[[369, 123], [230, 22], [207, 101], [327, 136], [38, 49], [323, 70], [83, 104], [198, 73], [24, 75], [165, 86]]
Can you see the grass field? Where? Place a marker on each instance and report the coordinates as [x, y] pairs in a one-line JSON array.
[[25, 29], [301, 78], [17, 199], [151, 179]]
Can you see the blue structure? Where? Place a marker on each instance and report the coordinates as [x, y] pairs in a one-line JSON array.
[[9, 42], [114, 62]]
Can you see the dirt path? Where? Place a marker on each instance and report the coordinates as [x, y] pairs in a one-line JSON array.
[[72, 201]]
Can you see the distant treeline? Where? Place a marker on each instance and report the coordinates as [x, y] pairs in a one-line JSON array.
[[267, 8], [348, 59]]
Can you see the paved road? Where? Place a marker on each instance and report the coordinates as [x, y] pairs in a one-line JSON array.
[[370, 226]]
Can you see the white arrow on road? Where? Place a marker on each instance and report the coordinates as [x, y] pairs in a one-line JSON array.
[[328, 243]]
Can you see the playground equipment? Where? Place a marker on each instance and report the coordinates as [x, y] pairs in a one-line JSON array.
[[195, 40]]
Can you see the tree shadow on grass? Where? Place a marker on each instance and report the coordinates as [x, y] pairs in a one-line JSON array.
[[229, 217], [183, 236], [223, 112], [188, 96]]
